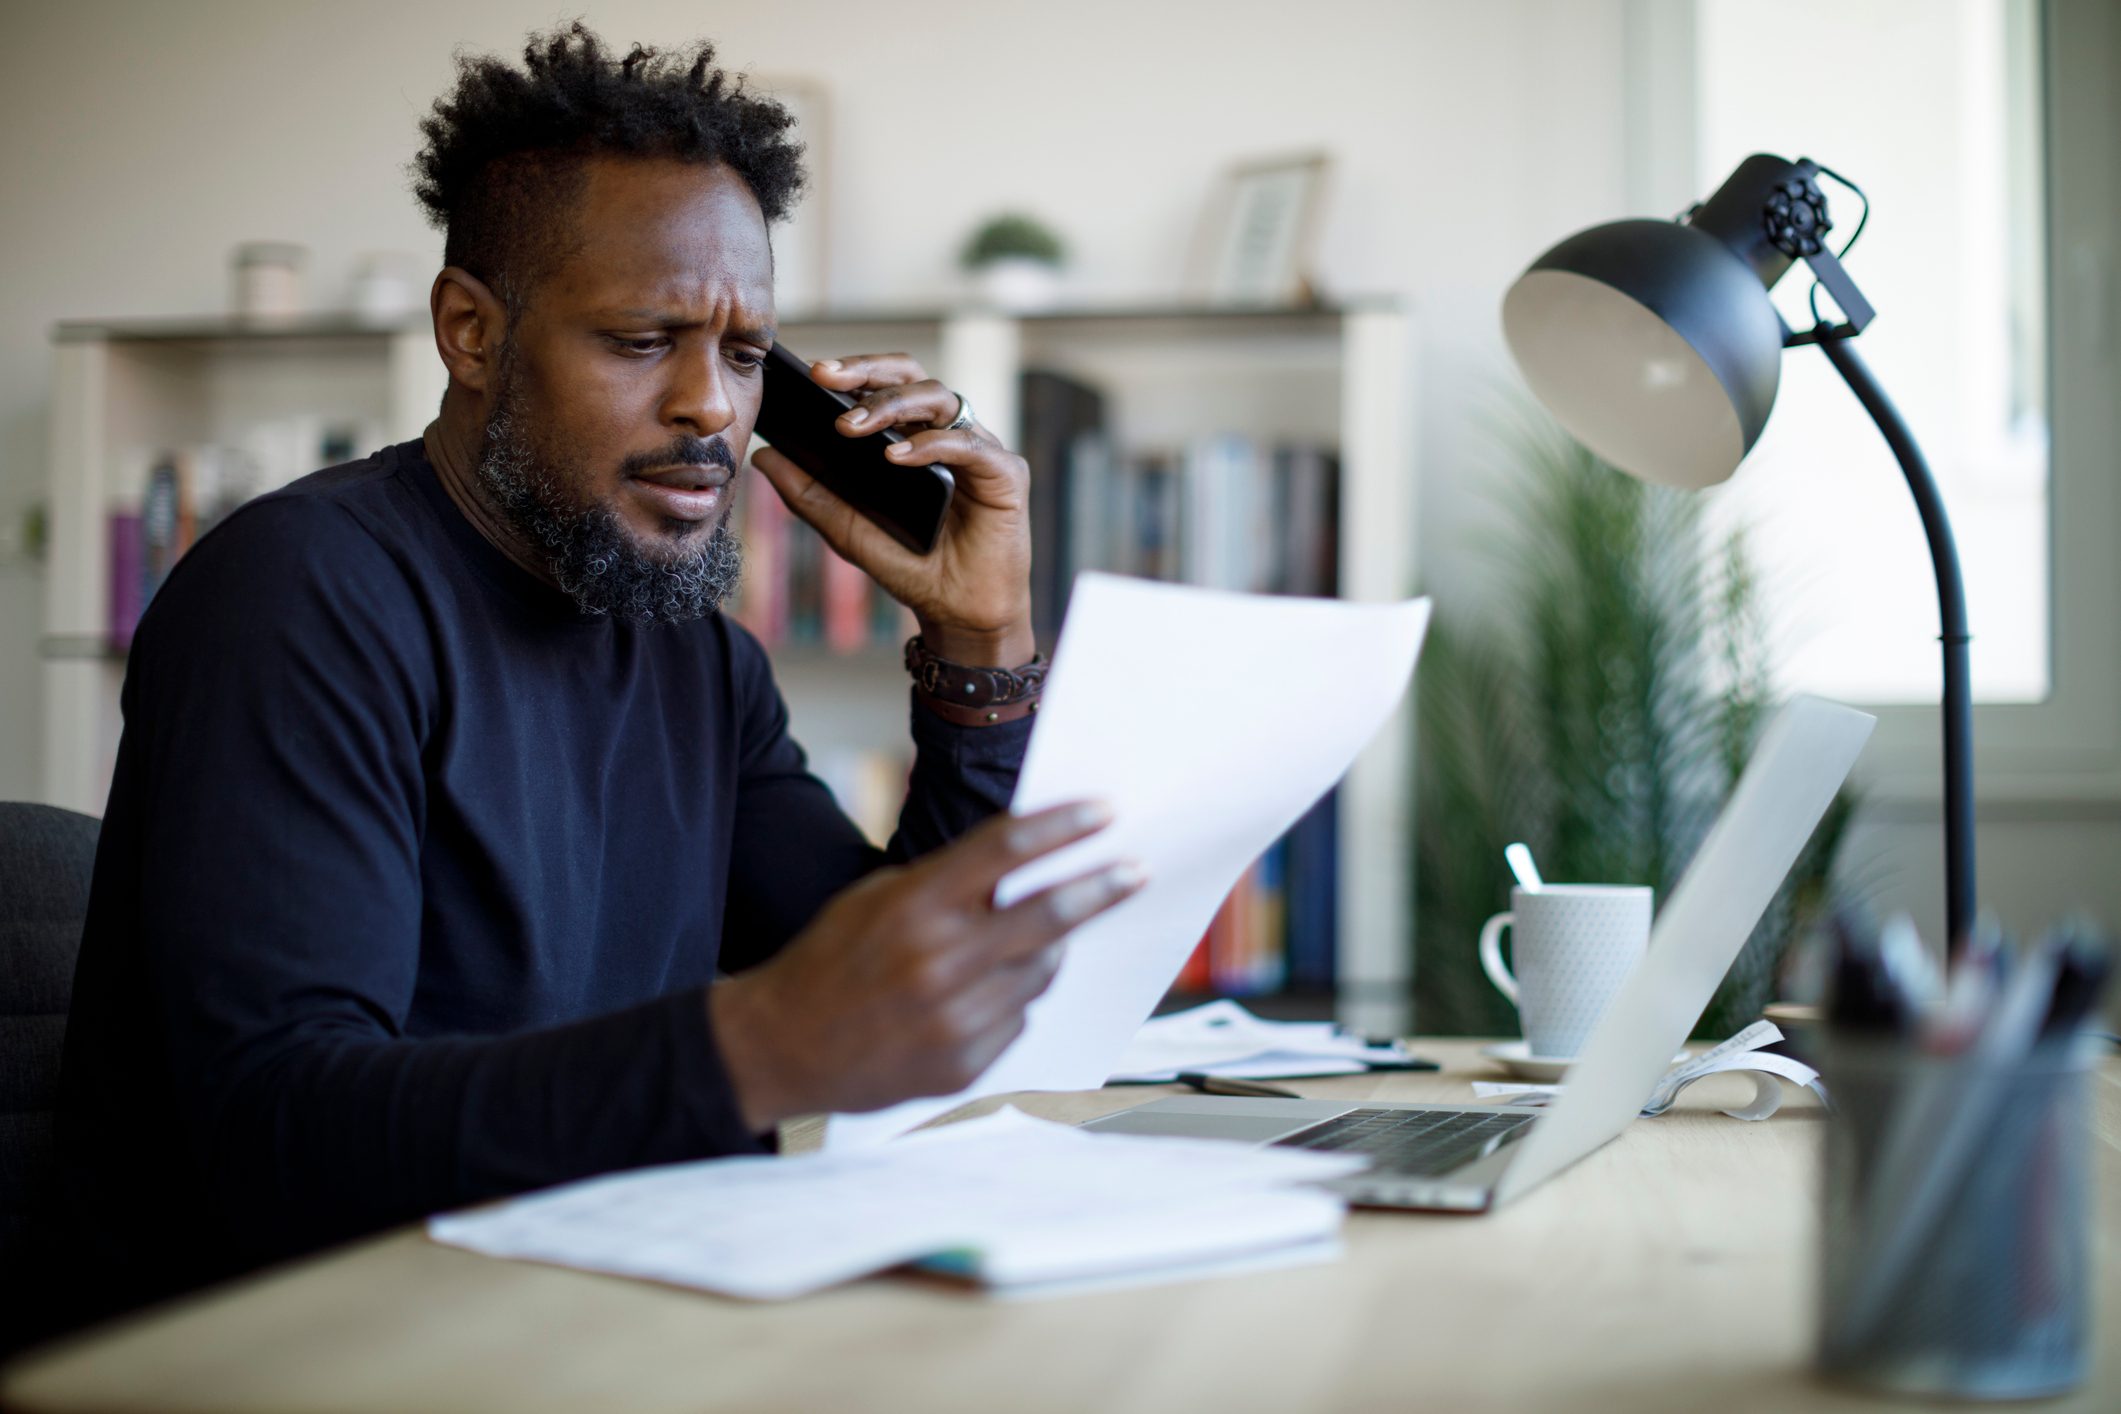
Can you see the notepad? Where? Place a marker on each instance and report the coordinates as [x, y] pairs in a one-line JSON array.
[[1016, 1204]]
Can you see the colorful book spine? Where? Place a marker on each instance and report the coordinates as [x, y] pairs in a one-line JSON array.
[[1276, 929], [1270, 961], [1195, 977], [845, 603], [1313, 893], [762, 603], [797, 590]]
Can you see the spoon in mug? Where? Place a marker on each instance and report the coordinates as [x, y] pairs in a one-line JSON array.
[[1522, 866]]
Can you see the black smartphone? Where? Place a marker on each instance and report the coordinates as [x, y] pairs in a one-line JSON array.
[[796, 416]]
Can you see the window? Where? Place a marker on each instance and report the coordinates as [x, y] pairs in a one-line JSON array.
[[1935, 108]]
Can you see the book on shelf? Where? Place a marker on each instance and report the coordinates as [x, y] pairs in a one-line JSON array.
[[1226, 511], [146, 541], [797, 590], [1276, 929], [1061, 417], [1223, 510], [185, 492]]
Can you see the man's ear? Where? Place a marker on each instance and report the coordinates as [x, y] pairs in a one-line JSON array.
[[470, 325]]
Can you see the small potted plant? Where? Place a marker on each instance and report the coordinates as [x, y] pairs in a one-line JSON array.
[[1014, 262]]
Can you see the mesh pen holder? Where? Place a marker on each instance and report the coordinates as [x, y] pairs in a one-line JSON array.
[[1956, 1256]]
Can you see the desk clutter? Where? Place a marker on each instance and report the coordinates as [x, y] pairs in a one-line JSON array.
[[1018, 1206], [1223, 1039]]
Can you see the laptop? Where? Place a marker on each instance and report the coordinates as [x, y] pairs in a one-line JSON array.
[[1470, 1158]]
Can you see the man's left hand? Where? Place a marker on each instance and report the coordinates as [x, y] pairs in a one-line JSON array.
[[972, 593]]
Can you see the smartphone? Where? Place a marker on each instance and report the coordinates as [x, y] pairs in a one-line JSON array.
[[797, 416]]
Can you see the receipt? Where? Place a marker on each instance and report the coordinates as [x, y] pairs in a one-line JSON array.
[[1737, 1055]]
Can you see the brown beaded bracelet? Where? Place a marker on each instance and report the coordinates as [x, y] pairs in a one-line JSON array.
[[975, 696], [977, 716]]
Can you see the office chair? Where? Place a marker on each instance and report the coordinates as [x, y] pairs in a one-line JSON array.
[[46, 857]]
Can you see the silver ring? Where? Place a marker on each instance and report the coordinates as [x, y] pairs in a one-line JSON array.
[[964, 415]]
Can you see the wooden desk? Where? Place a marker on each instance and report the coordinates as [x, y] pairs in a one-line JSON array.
[[1670, 1271]]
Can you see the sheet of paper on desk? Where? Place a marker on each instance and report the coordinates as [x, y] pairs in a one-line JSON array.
[[1210, 722], [1222, 1038], [1006, 1200]]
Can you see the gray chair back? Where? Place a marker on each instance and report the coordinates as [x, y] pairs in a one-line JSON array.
[[46, 857]]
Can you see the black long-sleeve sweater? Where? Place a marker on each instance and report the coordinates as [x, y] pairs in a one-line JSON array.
[[412, 879]]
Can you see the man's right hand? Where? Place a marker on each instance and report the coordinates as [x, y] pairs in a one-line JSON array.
[[909, 982]]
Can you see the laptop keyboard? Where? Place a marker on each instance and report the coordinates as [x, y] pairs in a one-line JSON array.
[[1419, 1142]]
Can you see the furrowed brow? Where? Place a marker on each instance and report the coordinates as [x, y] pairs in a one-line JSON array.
[[666, 319]]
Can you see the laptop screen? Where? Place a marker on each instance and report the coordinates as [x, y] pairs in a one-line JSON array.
[[1802, 759]]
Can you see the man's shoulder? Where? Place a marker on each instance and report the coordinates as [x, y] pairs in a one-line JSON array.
[[372, 495], [360, 510], [325, 543]]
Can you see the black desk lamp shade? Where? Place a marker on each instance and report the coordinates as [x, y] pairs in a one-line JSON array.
[[1655, 344]]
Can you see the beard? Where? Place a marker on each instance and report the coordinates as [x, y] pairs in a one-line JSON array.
[[586, 548]]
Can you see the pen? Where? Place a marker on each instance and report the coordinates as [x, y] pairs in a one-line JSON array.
[[1863, 996], [1229, 1085], [2080, 976], [1908, 966]]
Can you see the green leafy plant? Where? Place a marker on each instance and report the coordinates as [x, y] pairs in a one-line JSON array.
[[1601, 712], [1012, 234]]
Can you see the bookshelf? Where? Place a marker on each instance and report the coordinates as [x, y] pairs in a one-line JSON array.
[[127, 394], [124, 395]]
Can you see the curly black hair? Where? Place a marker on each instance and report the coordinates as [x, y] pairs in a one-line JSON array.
[[506, 147]]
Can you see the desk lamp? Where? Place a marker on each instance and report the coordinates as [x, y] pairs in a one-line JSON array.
[[1655, 344]]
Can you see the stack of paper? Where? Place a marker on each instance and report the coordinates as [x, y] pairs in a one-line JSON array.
[[1222, 1038], [1018, 1204]]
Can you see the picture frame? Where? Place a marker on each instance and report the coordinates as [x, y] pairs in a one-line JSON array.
[[1259, 233], [802, 265]]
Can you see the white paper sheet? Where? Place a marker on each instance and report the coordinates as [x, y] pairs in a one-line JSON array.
[[1222, 1038], [1209, 722], [1021, 1201]]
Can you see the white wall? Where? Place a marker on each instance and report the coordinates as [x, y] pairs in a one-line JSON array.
[[143, 140], [146, 139]]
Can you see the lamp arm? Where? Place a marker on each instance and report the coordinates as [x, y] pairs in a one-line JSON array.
[[1951, 612]]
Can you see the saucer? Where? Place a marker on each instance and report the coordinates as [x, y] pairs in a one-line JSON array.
[[1516, 1057]]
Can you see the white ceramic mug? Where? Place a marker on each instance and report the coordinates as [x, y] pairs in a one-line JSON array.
[[1574, 945]]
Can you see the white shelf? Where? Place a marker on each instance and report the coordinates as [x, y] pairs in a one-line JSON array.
[[125, 392]]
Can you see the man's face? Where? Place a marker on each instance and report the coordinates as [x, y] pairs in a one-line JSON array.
[[627, 390]]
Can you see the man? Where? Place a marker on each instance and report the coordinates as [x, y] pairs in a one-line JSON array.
[[445, 791]]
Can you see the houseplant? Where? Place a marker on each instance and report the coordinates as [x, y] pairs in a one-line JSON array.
[[1015, 262], [1601, 711]]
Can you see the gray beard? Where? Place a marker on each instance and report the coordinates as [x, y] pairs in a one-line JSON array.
[[586, 548]]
